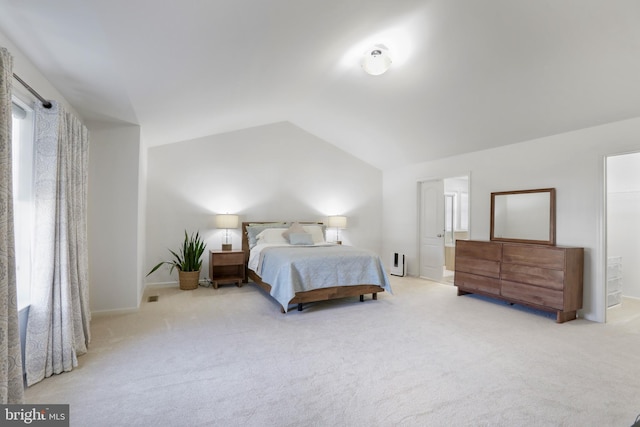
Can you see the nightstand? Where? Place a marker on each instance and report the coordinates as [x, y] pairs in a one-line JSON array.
[[226, 267]]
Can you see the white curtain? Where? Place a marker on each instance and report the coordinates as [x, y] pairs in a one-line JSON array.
[[11, 385], [58, 325]]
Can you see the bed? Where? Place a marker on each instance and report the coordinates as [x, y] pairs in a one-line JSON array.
[[300, 267]]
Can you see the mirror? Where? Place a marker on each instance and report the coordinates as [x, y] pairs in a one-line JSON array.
[[527, 216]]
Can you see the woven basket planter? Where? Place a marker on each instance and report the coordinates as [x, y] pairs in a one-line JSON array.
[[188, 280]]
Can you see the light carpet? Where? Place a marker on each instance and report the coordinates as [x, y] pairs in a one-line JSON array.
[[420, 357]]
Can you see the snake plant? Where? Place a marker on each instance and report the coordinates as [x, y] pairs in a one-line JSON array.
[[189, 257]]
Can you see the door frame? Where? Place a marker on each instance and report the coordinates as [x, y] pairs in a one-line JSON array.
[[604, 231]]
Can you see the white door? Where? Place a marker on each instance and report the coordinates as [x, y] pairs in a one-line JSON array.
[[432, 229]]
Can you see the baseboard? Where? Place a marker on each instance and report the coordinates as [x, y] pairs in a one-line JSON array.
[[160, 285], [116, 311]]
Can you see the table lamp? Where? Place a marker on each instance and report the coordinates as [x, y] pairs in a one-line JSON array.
[[226, 221], [338, 222]]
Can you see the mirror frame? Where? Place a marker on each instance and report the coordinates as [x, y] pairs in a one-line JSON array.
[[552, 216]]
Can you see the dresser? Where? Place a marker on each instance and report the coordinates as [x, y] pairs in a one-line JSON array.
[[540, 276]]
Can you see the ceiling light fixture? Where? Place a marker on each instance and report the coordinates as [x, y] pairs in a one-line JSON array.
[[376, 60]]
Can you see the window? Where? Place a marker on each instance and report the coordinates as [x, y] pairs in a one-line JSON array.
[[23, 205]]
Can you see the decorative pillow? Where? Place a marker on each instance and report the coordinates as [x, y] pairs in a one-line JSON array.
[[272, 235], [254, 229], [300, 239], [295, 228], [316, 231]]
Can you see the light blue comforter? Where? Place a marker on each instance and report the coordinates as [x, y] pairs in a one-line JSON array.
[[294, 269]]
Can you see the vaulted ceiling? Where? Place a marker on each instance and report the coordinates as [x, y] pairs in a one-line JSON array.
[[466, 74]]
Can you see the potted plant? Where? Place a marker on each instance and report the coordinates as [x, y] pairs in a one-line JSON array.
[[188, 261]]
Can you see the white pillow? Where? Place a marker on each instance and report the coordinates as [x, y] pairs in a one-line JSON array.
[[272, 235], [316, 233]]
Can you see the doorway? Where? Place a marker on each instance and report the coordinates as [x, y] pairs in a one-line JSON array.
[[444, 218], [623, 229]]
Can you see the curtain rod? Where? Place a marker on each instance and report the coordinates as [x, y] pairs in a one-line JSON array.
[[45, 103]]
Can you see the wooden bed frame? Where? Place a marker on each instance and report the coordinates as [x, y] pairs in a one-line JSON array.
[[300, 298]]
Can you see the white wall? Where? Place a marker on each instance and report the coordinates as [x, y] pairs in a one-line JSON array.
[[113, 223], [573, 163], [272, 172], [623, 218]]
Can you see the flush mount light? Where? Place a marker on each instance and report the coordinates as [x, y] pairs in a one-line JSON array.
[[376, 60]]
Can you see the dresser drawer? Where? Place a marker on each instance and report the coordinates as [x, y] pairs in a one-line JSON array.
[[478, 266], [539, 256], [477, 283], [480, 250], [231, 258], [544, 297], [544, 277]]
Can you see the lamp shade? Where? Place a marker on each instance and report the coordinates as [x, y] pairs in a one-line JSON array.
[[227, 221], [338, 221]]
